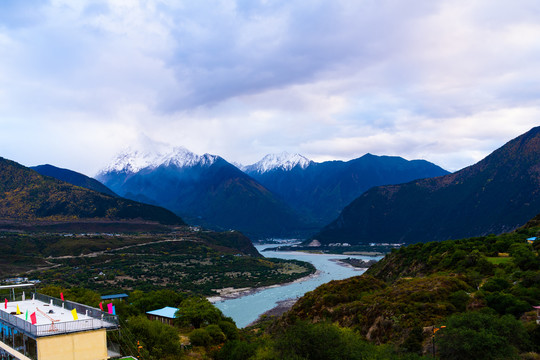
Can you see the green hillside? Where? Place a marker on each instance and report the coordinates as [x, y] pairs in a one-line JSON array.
[[401, 298], [27, 195], [456, 299]]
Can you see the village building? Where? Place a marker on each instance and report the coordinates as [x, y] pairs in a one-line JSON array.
[[164, 315], [39, 327]]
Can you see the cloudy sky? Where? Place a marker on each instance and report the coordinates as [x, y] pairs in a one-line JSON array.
[[446, 81]]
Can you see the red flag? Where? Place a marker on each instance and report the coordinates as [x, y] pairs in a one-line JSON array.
[[62, 296], [101, 306], [33, 318], [6, 304]]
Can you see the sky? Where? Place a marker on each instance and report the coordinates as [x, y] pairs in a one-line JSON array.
[[446, 81]]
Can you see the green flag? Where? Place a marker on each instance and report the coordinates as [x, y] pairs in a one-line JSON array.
[[26, 315]]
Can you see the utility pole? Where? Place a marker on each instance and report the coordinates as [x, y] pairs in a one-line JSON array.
[[433, 338]]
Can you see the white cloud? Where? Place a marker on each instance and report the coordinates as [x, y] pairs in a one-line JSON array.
[[448, 81]]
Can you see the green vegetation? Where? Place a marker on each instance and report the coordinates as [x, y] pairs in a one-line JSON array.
[[442, 298], [195, 261], [485, 303], [27, 195], [499, 260]]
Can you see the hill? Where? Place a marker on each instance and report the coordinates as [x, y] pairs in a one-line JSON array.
[[206, 190], [73, 178], [27, 195], [496, 195], [401, 299], [322, 190]]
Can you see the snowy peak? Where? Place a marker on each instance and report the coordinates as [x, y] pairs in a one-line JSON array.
[[132, 161], [283, 161]]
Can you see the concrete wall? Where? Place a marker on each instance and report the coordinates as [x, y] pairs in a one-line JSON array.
[[88, 345]]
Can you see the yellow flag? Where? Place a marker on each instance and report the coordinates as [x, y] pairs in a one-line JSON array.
[[74, 313], [18, 310]]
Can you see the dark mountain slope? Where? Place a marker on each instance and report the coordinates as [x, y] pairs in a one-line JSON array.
[[322, 190], [28, 195], [73, 178], [211, 193], [498, 194]]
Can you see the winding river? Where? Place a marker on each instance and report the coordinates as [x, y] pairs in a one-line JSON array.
[[246, 309]]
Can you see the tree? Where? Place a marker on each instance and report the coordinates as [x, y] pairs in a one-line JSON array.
[[322, 341], [197, 311], [158, 340], [481, 335]]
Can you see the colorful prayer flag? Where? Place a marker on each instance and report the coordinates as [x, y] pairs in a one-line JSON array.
[[62, 296], [114, 310], [109, 307], [33, 318], [18, 310], [26, 315], [6, 304], [74, 313], [101, 306]]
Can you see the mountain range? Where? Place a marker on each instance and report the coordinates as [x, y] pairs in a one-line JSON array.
[[73, 177], [205, 190], [280, 196], [26, 195], [496, 195], [321, 190]]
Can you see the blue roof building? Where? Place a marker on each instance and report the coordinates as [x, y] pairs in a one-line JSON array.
[[165, 315], [114, 296]]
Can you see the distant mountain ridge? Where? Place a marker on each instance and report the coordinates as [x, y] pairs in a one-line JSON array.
[[496, 195], [283, 161], [322, 190], [27, 195], [132, 161], [282, 195], [205, 190], [73, 178]]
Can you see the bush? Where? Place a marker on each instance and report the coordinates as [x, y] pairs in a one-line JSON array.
[[236, 350], [218, 337], [496, 284], [197, 312], [200, 337], [229, 329], [507, 304], [481, 335]]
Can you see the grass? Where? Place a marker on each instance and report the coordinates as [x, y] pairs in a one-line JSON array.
[[499, 260]]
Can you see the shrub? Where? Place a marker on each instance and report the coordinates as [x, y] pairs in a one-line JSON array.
[[200, 337]]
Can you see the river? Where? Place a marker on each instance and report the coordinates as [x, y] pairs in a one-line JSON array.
[[246, 309]]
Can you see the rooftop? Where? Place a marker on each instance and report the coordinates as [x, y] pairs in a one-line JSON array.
[[114, 296], [167, 312], [53, 316]]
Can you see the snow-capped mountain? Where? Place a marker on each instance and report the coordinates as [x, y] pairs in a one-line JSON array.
[[206, 190], [321, 190], [283, 161], [263, 199], [132, 161]]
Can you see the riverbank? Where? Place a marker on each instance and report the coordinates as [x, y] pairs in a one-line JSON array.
[[233, 293], [282, 307]]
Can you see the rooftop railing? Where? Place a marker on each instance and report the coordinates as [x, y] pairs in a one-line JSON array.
[[98, 319]]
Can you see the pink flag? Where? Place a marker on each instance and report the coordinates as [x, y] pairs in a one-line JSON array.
[[33, 318], [62, 296], [109, 306], [101, 306]]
